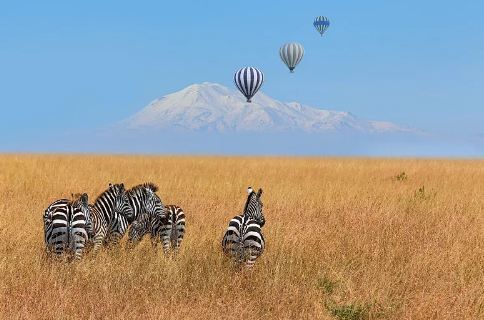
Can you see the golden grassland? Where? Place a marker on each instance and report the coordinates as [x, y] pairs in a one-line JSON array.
[[346, 239]]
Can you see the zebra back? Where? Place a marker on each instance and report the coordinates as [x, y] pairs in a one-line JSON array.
[[243, 239], [88, 212], [48, 218], [170, 231], [66, 225]]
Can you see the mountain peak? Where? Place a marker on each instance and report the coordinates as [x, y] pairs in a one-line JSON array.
[[204, 86], [214, 107], [198, 93]]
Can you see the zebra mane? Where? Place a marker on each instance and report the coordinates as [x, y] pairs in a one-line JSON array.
[[80, 199], [249, 198], [147, 185], [109, 188]]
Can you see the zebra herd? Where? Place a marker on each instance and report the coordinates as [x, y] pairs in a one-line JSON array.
[[72, 226]]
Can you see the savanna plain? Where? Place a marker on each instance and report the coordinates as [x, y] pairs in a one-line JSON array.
[[346, 238]]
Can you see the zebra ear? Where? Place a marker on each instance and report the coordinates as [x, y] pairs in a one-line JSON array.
[[259, 193], [250, 190], [149, 191], [110, 184], [85, 199]]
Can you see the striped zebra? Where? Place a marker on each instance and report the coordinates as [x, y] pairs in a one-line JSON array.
[[109, 213], [68, 226], [243, 239], [145, 204], [170, 230]]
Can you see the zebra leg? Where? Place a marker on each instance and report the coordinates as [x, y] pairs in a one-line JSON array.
[[177, 243], [78, 251], [252, 255], [165, 236], [231, 245], [78, 254], [117, 229], [98, 240], [135, 235], [180, 233], [80, 241], [114, 238], [60, 245], [51, 253], [251, 260], [154, 240], [241, 254], [165, 239]]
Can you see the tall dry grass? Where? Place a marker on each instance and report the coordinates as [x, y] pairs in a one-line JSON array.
[[345, 240]]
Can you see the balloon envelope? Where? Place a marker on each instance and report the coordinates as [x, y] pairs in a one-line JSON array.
[[321, 23], [291, 54], [248, 80]]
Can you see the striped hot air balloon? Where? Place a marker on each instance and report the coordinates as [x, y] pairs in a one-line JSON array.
[[248, 80], [321, 23], [291, 54]]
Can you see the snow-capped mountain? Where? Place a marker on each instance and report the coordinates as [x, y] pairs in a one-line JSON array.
[[215, 108]]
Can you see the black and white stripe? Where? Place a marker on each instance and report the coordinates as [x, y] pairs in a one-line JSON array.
[[146, 206], [243, 240], [67, 226], [170, 230], [248, 80], [110, 213]]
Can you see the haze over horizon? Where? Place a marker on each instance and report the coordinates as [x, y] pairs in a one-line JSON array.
[[209, 118]]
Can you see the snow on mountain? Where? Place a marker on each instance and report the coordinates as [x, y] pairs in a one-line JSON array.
[[215, 108]]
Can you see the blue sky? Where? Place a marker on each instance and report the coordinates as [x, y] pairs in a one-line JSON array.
[[91, 63]]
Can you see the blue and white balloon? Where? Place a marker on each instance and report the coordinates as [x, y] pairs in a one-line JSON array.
[[321, 23], [248, 80]]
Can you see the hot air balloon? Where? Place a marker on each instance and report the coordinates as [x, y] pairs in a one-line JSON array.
[[248, 80], [291, 54], [321, 23]]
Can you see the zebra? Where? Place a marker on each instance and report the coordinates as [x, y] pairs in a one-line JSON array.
[[109, 213], [243, 240], [170, 230], [145, 204], [68, 226]]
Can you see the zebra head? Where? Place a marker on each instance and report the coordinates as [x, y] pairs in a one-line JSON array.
[[253, 206], [121, 200], [81, 201], [153, 205]]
